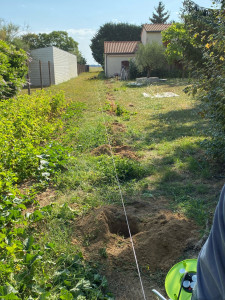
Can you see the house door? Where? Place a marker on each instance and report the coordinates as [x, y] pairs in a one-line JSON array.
[[125, 64], [124, 69]]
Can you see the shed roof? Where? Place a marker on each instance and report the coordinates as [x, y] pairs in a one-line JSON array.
[[121, 47], [155, 27]]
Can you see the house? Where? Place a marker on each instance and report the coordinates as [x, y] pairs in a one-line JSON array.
[[152, 33], [51, 66], [117, 56]]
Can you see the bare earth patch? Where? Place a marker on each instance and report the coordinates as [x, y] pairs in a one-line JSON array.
[[160, 239], [123, 151]]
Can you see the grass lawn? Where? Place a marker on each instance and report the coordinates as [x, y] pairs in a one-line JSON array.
[[163, 172]]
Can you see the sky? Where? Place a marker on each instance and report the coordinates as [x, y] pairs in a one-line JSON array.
[[82, 18]]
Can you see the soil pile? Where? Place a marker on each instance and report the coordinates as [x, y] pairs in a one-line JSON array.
[[160, 239], [123, 151]]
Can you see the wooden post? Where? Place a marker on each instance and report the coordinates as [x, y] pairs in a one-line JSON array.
[[28, 83], [28, 79], [40, 74], [49, 73]]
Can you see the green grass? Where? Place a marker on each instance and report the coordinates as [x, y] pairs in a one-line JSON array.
[[164, 133]]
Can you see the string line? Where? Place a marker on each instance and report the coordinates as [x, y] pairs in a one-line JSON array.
[[122, 200]]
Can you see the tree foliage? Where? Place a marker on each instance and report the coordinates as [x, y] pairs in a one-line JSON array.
[[13, 69], [59, 39], [175, 38], [150, 57], [113, 32], [161, 16], [207, 27]]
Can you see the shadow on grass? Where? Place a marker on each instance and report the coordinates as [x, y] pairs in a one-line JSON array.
[[171, 126], [99, 76]]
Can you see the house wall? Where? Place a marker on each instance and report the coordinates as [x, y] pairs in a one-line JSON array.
[[149, 37], [113, 63], [143, 36], [44, 55], [65, 65]]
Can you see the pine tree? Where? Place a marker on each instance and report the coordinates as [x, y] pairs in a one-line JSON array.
[[160, 17]]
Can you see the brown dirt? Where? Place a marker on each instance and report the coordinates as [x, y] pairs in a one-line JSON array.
[[118, 127], [160, 239], [103, 149], [123, 151], [43, 198]]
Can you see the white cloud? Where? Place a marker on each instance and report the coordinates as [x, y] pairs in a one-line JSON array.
[[83, 36], [82, 32]]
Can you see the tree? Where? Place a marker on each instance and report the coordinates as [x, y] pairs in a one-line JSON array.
[[174, 38], [13, 69], [113, 32], [207, 27], [59, 39], [161, 16], [10, 33], [150, 57]]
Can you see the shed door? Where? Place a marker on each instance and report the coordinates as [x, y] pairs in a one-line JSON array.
[[125, 64]]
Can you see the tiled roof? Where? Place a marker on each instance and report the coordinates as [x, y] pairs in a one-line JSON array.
[[129, 47], [155, 27]]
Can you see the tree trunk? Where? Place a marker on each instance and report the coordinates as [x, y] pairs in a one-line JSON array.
[[148, 72]]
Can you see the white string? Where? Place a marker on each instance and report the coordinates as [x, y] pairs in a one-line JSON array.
[[122, 200]]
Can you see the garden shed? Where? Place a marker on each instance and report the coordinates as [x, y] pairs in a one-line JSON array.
[[152, 33], [117, 56], [51, 65]]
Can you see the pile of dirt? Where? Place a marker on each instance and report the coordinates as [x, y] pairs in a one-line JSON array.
[[103, 149], [159, 239], [118, 127], [122, 151], [125, 151]]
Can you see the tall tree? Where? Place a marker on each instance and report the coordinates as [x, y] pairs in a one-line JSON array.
[[161, 16], [113, 32], [58, 39]]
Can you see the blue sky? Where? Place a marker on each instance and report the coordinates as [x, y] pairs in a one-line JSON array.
[[82, 18]]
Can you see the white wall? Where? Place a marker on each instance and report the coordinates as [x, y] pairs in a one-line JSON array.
[[149, 37], [44, 55], [154, 37], [63, 66], [113, 63], [143, 36]]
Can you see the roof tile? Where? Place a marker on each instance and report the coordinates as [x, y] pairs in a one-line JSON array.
[[128, 47], [156, 27]]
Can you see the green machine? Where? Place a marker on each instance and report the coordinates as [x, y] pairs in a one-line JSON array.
[[180, 280]]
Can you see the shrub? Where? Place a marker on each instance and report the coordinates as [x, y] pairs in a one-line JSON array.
[[150, 57], [26, 124], [208, 31], [133, 70], [13, 69]]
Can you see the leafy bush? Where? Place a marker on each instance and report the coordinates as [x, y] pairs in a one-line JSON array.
[[134, 72], [150, 57], [208, 31], [26, 124], [13, 69]]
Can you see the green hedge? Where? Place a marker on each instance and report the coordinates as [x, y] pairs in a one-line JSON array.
[[26, 125], [13, 69]]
